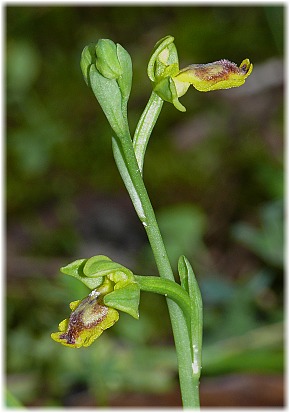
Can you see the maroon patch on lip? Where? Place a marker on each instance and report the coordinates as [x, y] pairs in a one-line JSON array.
[[76, 324], [209, 71]]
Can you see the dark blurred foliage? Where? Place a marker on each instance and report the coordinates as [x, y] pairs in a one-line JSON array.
[[215, 177]]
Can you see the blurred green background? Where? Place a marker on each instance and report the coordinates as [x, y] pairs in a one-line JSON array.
[[214, 175]]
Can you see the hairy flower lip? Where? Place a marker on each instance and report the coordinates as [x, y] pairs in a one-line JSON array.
[[221, 74], [218, 70], [77, 320], [76, 325], [89, 318]]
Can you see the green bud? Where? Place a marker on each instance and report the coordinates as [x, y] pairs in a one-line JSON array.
[[107, 69], [107, 61]]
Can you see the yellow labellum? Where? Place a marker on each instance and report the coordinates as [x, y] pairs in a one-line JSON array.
[[89, 318], [222, 74]]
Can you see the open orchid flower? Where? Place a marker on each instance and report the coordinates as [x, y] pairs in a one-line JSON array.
[[170, 83], [113, 288]]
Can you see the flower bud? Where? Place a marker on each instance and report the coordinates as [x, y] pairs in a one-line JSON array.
[[107, 69], [107, 61]]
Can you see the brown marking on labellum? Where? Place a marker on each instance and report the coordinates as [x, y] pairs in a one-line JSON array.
[[87, 315], [219, 70]]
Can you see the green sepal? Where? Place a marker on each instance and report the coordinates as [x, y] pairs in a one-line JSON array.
[[125, 298], [75, 269]]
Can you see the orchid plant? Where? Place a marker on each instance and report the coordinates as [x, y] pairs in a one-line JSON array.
[[107, 70]]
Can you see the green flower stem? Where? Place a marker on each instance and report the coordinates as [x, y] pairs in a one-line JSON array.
[[145, 127], [188, 382], [168, 288]]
